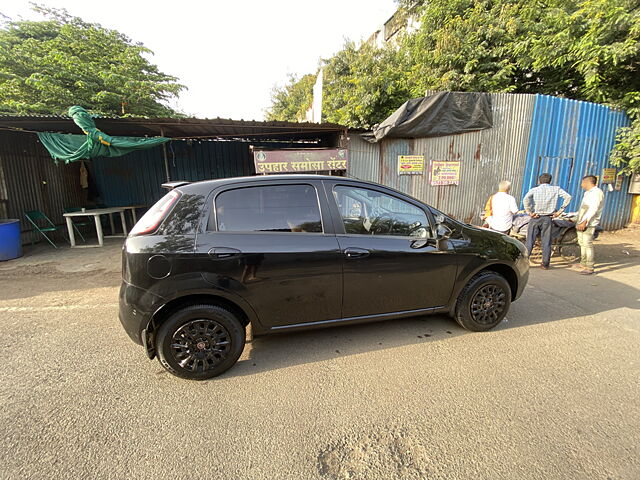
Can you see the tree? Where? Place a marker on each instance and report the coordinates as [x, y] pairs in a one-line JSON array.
[[291, 102], [600, 41], [47, 66], [580, 49], [362, 86]]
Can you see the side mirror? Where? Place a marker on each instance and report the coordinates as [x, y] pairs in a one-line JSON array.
[[443, 232], [418, 232], [442, 235], [420, 236]]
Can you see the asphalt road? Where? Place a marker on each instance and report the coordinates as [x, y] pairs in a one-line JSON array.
[[553, 392]]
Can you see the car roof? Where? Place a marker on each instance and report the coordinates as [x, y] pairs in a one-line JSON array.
[[203, 187], [258, 178], [210, 184]]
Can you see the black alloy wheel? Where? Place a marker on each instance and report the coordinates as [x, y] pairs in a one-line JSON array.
[[488, 304], [483, 302], [200, 345], [200, 341]]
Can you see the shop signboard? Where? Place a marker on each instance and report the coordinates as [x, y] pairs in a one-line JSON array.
[[300, 160]]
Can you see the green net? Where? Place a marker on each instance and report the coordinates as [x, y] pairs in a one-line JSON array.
[[95, 143]]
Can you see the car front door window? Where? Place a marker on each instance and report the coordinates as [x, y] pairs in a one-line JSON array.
[[370, 212]]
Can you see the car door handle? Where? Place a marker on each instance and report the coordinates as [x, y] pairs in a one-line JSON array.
[[223, 252], [355, 252]]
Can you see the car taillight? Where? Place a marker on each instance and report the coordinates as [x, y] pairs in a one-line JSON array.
[[151, 220]]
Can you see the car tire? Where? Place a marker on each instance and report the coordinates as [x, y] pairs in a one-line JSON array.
[[200, 341], [484, 302]]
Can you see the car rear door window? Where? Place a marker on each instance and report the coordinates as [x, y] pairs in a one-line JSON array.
[[370, 212], [271, 208]]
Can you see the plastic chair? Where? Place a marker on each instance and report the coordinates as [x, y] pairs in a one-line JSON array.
[[78, 223], [33, 216]]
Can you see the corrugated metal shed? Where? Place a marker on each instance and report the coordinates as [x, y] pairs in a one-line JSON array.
[[135, 178], [486, 156], [174, 127], [29, 180], [570, 139], [364, 159]]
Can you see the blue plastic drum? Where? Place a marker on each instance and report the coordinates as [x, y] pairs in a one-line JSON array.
[[10, 245]]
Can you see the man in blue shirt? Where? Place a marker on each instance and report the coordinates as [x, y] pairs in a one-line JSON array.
[[541, 203]]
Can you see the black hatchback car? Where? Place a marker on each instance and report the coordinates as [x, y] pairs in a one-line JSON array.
[[293, 252]]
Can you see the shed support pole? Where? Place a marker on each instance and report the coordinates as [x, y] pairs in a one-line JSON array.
[[166, 160]]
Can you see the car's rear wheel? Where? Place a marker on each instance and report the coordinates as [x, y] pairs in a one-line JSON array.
[[483, 302], [200, 341]]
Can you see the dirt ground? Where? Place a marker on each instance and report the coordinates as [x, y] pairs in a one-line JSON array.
[[553, 392]]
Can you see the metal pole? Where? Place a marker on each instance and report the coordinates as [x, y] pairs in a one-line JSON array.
[[164, 154]]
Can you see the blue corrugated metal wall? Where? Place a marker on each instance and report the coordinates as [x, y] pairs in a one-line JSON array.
[[570, 139], [135, 178]]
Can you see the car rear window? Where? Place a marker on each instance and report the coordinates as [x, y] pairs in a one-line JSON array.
[[271, 208]]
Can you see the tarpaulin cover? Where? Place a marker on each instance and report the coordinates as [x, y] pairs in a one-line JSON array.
[[444, 113], [94, 143]]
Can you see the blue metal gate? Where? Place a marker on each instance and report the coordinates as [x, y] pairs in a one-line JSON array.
[[570, 139]]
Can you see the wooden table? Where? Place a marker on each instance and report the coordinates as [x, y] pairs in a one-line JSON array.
[[95, 213]]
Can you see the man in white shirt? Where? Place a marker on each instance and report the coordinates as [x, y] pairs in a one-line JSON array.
[[503, 208], [587, 221]]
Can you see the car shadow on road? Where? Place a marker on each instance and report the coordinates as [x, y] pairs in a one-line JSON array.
[[273, 352], [554, 295]]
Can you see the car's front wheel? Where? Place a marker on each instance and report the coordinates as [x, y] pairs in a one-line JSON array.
[[200, 341], [483, 302]]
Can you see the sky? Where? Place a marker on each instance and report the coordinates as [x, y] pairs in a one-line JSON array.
[[230, 54]]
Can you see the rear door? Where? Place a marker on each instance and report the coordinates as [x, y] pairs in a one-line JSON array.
[[390, 260], [273, 244]]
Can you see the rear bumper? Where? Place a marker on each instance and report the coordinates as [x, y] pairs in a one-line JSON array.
[[136, 308]]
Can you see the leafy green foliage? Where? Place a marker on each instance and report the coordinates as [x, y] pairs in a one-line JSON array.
[[581, 49], [291, 102], [47, 66], [361, 86], [626, 153]]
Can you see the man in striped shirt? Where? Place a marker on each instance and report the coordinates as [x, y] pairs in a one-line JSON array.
[[541, 203]]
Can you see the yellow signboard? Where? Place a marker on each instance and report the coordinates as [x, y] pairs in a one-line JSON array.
[[608, 175], [445, 173], [410, 164]]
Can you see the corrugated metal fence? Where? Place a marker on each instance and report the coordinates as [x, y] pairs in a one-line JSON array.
[[486, 156], [135, 178], [570, 139], [531, 134]]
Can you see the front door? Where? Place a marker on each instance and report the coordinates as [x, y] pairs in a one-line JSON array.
[[270, 245], [390, 260]]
